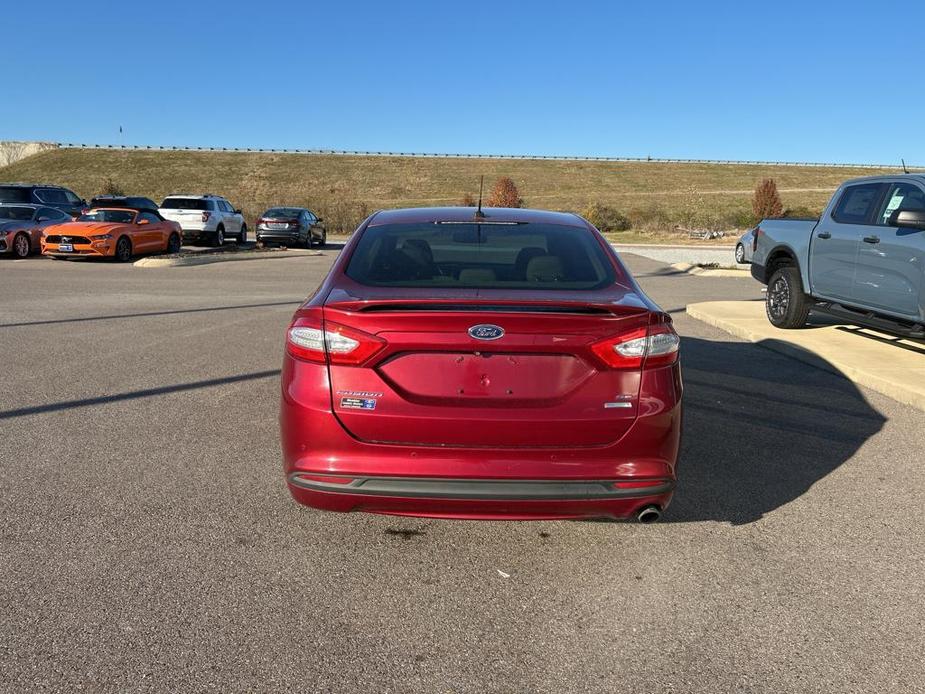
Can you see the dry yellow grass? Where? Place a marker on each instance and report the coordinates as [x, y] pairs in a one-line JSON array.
[[342, 187]]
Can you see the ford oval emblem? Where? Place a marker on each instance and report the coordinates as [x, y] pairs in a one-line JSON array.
[[486, 331]]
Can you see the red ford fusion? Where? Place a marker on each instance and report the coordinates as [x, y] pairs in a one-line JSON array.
[[495, 364]]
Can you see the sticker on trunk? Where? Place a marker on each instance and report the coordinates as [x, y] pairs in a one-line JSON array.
[[358, 403]]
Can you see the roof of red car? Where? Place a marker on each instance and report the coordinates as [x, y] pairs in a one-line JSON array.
[[419, 215]]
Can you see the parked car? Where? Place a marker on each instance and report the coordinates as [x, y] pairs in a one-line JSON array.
[[505, 366], [295, 226], [745, 247], [207, 217], [862, 261], [113, 232], [136, 202], [43, 194], [22, 226]]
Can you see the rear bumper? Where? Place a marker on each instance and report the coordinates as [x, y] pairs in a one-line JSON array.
[[479, 499], [476, 483], [278, 236]]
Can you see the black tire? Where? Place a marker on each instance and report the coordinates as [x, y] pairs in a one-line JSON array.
[[309, 240], [740, 254], [173, 244], [324, 238], [22, 247], [786, 305], [123, 250], [242, 237], [219, 238]]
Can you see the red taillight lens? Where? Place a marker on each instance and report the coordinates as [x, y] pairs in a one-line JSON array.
[[334, 343], [656, 346], [205, 216], [755, 239], [260, 221], [293, 224]]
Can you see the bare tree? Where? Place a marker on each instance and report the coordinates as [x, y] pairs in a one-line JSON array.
[[12, 152]]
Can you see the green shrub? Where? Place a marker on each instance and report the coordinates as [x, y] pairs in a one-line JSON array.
[[605, 218], [802, 211], [650, 217]]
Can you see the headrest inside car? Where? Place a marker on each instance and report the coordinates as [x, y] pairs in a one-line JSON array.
[[545, 268]]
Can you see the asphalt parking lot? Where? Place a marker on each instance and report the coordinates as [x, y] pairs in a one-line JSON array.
[[147, 541]]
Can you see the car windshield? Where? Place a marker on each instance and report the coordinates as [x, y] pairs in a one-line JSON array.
[[185, 204], [14, 194], [113, 216], [19, 213], [282, 212], [486, 256]]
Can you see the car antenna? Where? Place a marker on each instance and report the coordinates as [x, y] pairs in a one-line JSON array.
[[905, 170], [478, 213]]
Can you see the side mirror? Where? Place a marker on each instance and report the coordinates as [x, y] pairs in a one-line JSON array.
[[237, 211], [319, 219], [908, 219]]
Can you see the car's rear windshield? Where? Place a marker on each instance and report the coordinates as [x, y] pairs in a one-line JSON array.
[[485, 256], [282, 212], [15, 194], [185, 204], [19, 213], [114, 216]]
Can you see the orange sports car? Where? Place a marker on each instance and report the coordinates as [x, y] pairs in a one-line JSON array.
[[112, 232]]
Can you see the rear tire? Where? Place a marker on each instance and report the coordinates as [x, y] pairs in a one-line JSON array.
[[786, 305], [174, 244], [740, 254], [123, 250], [309, 240], [219, 238], [21, 246], [242, 237]]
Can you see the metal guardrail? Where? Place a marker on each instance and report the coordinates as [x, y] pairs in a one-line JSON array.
[[450, 155]]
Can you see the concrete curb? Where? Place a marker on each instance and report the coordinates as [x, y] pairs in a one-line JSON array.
[[711, 272], [208, 258], [881, 362]]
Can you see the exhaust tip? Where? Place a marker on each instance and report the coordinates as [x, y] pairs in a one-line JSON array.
[[649, 514]]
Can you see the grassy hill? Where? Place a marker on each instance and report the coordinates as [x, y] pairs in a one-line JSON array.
[[654, 196]]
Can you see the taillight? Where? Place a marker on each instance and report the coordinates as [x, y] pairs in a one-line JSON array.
[[205, 216], [755, 239], [260, 221], [655, 346], [293, 224], [334, 343]]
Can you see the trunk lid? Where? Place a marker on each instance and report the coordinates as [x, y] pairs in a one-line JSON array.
[[534, 382]]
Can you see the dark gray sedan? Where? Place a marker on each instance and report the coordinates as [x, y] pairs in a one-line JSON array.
[[291, 226], [22, 226]]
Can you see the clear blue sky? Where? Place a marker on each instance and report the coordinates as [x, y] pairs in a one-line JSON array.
[[819, 81]]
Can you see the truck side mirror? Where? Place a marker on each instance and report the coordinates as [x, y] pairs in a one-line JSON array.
[[908, 219]]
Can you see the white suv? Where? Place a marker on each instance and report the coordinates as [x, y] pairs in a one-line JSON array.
[[209, 217]]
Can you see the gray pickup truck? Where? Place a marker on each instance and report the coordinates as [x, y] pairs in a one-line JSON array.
[[863, 260]]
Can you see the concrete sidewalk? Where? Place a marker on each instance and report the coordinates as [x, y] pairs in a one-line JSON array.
[[885, 363]]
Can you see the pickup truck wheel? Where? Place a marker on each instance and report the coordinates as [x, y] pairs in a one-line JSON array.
[[786, 304]]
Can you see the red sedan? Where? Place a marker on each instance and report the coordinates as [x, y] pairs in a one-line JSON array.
[[496, 364]]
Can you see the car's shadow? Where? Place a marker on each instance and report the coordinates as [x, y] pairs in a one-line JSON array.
[[760, 429]]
